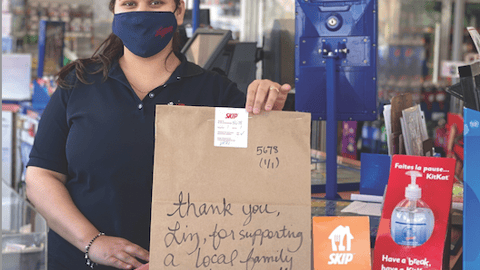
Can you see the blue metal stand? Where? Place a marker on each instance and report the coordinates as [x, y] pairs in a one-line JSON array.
[[195, 15], [335, 56], [331, 183]]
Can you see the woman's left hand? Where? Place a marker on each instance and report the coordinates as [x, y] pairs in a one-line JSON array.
[[266, 95]]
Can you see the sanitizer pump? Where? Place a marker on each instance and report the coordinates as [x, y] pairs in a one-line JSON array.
[[412, 220]]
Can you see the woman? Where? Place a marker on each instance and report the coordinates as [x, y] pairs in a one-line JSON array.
[[90, 169]]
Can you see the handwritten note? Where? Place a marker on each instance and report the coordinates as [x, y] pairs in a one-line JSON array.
[[229, 236], [231, 208]]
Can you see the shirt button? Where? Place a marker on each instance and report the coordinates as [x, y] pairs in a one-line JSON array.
[[140, 106], [178, 78], [151, 95]]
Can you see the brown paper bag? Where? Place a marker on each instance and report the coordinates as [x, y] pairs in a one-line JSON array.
[[226, 207]]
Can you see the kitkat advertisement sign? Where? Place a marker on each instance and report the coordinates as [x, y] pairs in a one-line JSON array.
[[404, 240]]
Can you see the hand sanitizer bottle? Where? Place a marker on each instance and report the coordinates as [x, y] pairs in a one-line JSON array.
[[412, 220]]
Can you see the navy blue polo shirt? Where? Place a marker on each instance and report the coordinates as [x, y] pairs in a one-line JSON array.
[[101, 135]]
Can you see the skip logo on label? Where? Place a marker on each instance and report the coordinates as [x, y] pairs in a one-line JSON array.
[[231, 115]]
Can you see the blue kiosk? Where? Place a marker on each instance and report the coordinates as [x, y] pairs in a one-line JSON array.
[[335, 67]]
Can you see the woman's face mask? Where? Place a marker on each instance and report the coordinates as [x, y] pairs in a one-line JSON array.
[[145, 33]]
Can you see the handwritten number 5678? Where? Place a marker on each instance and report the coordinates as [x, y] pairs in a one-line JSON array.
[[266, 150]]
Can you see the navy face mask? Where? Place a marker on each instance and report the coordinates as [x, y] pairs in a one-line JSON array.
[[145, 33]]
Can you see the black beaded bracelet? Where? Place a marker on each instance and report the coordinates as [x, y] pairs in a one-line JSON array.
[[87, 248]]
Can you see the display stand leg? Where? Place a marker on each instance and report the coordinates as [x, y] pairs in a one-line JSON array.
[[331, 181]]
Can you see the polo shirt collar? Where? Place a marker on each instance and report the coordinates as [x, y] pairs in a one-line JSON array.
[[185, 69]]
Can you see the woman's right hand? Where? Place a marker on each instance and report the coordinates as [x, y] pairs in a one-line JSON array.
[[65, 219], [117, 252]]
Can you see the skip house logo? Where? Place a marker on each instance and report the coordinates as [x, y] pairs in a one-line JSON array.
[[341, 239]]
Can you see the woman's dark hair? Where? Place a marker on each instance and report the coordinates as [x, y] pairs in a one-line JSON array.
[[106, 53]]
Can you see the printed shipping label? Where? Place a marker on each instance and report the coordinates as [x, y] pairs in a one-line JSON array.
[[231, 128]]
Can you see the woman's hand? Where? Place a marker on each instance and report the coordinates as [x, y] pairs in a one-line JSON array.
[[266, 95], [117, 252]]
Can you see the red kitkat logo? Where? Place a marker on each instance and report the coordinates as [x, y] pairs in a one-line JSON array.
[[164, 31], [231, 115]]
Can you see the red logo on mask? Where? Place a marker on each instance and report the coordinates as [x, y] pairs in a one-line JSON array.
[[164, 31]]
